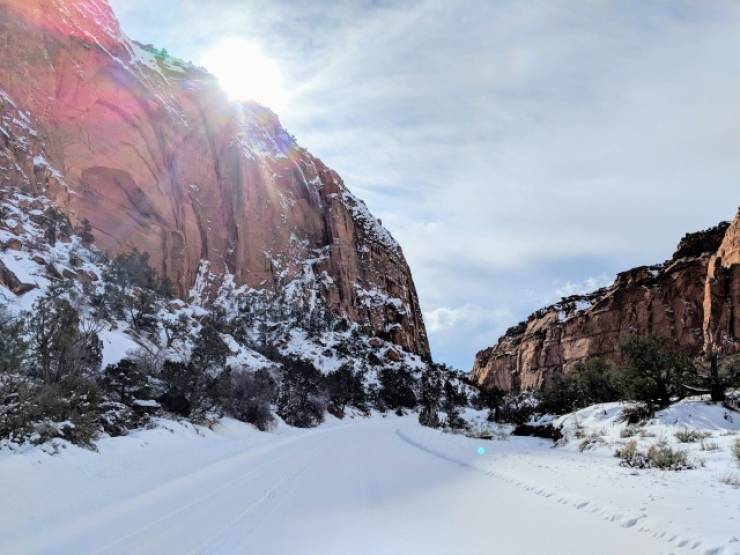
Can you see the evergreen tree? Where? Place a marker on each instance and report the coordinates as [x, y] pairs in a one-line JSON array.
[[453, 399], [431, 392], [209, 351], [58, 346], [654, 370], [397, 388], [56, 226], [85, 233], [344, 388], [125, 382], [720, 374], [300, 399], [13, 345]]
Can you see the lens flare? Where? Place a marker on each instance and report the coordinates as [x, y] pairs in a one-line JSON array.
[[245, 72]]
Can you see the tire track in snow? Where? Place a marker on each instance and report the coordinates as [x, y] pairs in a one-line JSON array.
[[180, 510], [215, 542], [66, 532]]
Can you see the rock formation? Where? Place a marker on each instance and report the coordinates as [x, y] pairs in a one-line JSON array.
[[149, 150], [693, 298]]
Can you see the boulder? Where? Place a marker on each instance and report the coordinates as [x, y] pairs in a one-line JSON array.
[[9, 280]]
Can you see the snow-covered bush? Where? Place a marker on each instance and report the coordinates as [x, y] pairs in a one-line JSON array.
[[18, 407], [69, 409], [709, 445], [124, 382], [630, 456], [591, 442], [629, 431], [663, 456], [691, 436], [660, 455], [736, 450]]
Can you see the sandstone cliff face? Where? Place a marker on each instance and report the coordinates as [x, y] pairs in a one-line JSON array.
[[149, 150], [693, 298]]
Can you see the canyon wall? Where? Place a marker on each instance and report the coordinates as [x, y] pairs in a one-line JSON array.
[[148, 149], [693, 298]]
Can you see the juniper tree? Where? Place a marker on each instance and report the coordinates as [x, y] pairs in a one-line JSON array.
[[13, 345], [654, 370], [209, 351], [125, 381], [453, 399], [431, 393], [85, 232], [344, 388], [397, 388], [58, 346], [300, 399]]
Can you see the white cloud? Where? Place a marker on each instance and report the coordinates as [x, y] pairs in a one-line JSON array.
[[443, 318], [586, 286]]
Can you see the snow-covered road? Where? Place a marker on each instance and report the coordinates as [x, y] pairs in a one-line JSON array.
[[363, 486]]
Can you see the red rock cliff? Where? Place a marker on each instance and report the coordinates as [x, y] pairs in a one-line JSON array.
[[150, 151], [694, 298]]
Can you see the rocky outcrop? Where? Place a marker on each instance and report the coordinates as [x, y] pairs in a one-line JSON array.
[[148, 149], [9, 280], [693, 298]]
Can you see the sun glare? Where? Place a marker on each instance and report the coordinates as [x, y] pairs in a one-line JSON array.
[[245, 72]]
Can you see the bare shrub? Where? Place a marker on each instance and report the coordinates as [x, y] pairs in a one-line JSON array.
[[629, 431], [591, 442], [636, 414], [660, 456], [628, 455], [691, 436], [709, 445], [663, 456]]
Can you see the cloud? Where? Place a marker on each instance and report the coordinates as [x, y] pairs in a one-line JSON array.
[[513, 148], [443, 318], [586, 286]]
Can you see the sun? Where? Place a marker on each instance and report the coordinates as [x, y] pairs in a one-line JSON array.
[[245, 72]]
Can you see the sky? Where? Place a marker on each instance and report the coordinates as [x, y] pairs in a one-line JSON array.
[[519, 150]]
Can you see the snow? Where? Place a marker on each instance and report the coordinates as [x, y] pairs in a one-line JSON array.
[[244, 358], [116, 345], [693, 506], [371, 486], [364, 219], [146, 403]]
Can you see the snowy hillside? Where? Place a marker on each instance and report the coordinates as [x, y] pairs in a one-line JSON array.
[[73, 318]]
